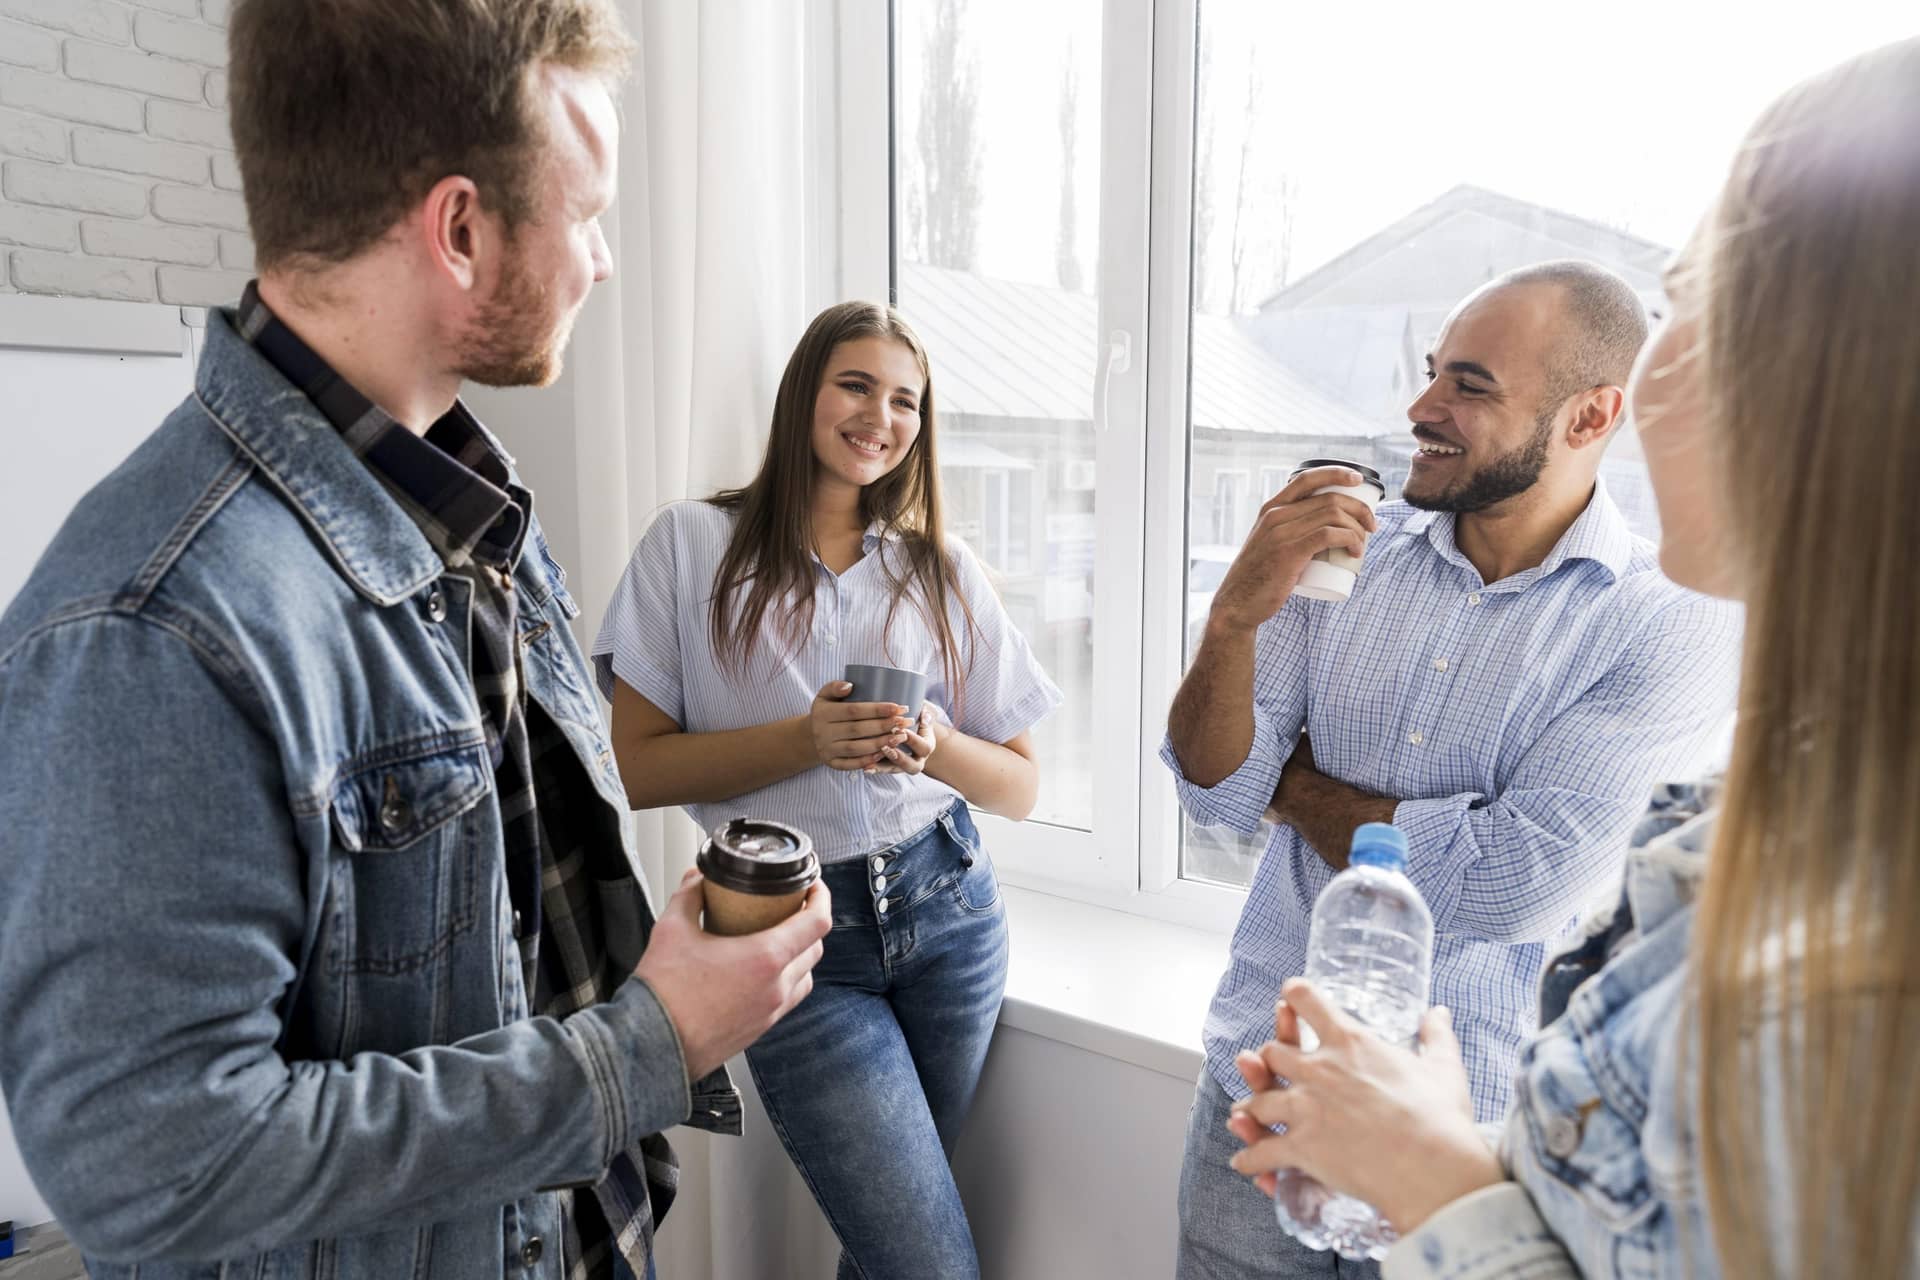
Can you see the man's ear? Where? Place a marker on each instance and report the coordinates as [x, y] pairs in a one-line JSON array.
[[453, 231], [1596, 412]]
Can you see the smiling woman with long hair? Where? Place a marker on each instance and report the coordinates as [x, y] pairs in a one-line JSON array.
[[722, 653], [1722, 1085]]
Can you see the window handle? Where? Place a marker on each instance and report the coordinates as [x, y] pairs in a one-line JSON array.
[[1119, 360]]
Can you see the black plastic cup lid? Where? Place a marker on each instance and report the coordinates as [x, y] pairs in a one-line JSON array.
[[757, 855], [1367, 474]]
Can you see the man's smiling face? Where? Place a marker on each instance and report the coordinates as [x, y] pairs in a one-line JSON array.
[[1486, 421]]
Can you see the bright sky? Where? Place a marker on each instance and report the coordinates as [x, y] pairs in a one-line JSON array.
[[1625, 112]]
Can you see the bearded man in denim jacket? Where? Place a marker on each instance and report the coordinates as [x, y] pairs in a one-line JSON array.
[[326, 949]]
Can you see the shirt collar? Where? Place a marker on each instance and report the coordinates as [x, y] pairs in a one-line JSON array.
[[876, 534], [454, 481], [1600, 535]]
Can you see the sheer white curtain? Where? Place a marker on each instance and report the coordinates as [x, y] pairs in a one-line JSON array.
[[674, 367]]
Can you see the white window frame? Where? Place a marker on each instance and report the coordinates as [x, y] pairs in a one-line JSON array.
[[1161, 891], [863, 132], [1130, 860]]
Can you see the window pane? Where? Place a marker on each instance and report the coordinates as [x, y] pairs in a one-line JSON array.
[[1352, 184], [998, 136]]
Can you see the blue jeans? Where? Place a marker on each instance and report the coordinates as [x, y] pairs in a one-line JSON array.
[[869, 1079], [1227, 1227], [621, 1271]]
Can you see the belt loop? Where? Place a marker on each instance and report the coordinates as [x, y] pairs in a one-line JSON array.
[[953, 833]]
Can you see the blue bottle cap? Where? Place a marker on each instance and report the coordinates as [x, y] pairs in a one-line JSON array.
[[1379, 844]]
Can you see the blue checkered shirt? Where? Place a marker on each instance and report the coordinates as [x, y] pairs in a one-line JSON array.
[[1521, 725]]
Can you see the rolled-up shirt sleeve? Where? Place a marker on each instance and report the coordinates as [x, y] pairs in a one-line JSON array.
[[1240, 799], [1517, 866], [1004, 691], [639, 641]]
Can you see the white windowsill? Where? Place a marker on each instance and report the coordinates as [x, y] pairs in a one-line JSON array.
[[1119, 985], [33, 322]]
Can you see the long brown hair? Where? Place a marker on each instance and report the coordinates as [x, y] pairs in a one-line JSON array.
[[769, 563], [1806, 951]]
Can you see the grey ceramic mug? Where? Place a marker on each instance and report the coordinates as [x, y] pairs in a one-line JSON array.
[[888, 684]]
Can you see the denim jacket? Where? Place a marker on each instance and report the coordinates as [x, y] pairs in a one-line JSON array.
[[1599, 1142], [258, 983]]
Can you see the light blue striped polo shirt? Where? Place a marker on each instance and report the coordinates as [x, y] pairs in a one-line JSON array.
[[1521, 725], [656, 638]]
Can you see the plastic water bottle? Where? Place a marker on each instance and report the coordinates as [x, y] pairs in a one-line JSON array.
[[1370, 951]]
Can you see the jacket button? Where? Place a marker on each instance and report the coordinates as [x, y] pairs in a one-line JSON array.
[[530, 1251], [1563, 1137], [395, 812], [437, 605]]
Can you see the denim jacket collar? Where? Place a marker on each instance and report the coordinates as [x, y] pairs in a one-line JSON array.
[[374, 543], [1664, 878]]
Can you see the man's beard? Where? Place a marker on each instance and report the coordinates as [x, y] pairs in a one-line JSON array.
[[515, 341], [1510, 474]]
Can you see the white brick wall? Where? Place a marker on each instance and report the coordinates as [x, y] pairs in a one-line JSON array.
[[117, 175], [112, 239], [23, 46], [197, 206]]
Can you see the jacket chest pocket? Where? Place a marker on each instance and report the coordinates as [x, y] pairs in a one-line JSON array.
[[1579, 1154], [409, 875]]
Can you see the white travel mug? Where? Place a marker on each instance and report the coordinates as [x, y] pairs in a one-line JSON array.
[[1331, 574]]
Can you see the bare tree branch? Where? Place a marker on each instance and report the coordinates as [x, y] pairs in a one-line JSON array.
[[1204, 204], [1066, 245], [949, 113], [1243, 194]]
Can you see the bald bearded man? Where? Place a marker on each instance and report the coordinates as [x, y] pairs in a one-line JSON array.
[[1508, 680]]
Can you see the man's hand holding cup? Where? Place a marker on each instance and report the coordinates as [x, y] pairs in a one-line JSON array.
[[1300, 522]]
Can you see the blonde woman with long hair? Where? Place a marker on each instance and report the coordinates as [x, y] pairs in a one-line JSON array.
[[1724, 1082]]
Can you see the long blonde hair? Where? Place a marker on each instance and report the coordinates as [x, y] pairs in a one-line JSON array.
[[1806, 950]]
